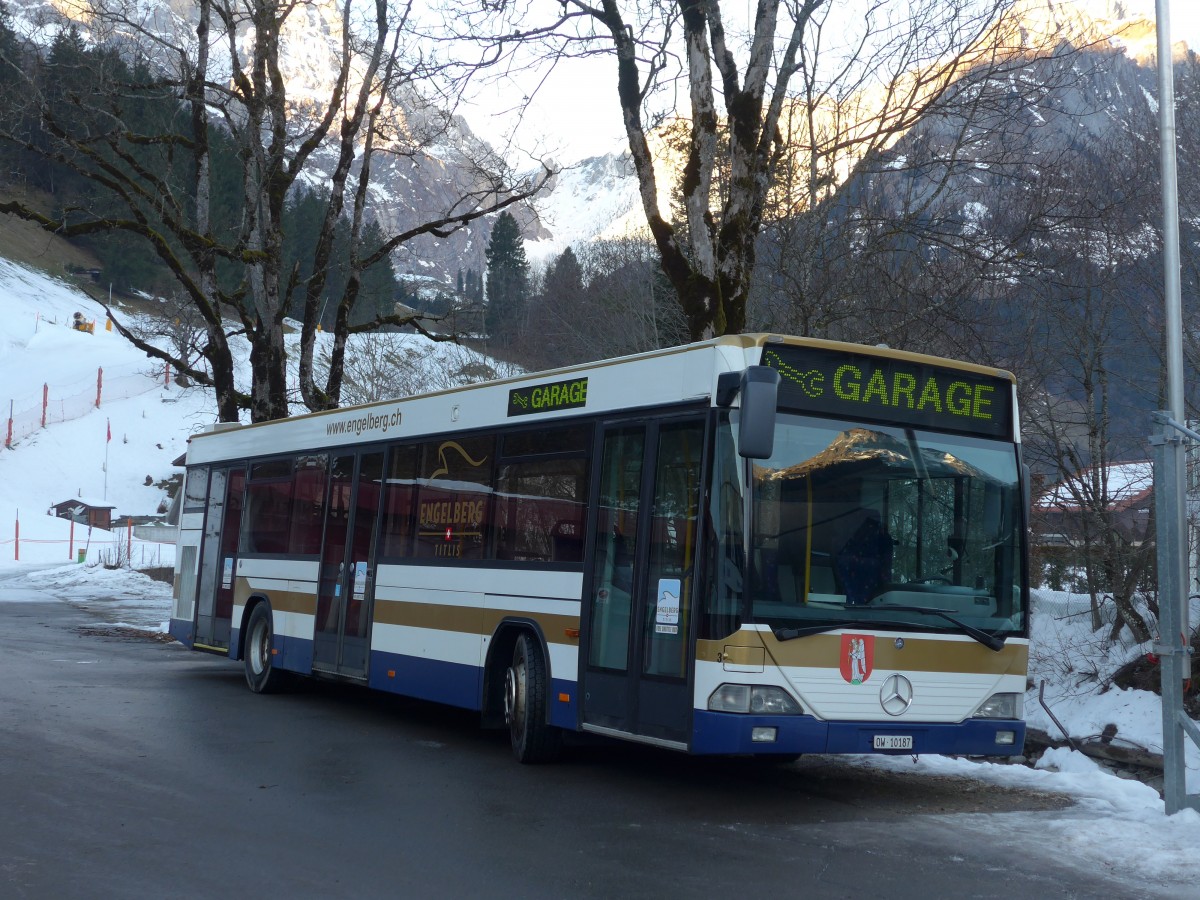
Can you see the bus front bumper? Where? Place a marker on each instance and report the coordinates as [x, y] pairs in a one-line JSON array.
[[731, 733]]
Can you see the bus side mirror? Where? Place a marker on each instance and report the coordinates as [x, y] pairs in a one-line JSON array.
[[756, 425]]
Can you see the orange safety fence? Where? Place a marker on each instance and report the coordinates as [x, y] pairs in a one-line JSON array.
[[73, 401]]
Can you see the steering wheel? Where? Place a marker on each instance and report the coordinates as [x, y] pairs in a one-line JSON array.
[[934, 579]]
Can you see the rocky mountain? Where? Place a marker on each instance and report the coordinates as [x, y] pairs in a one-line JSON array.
[[1019, 225], [597, 196]]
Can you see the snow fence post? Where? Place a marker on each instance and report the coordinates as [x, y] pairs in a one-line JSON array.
[[99, 384]]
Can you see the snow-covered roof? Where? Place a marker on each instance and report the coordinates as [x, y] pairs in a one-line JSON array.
[[1123, 484], [90, 502]]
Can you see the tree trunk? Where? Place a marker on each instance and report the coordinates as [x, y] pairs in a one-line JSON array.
[[268, 365]]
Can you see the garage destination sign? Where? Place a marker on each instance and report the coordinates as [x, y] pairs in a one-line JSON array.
[[543, 398], [898, 391]]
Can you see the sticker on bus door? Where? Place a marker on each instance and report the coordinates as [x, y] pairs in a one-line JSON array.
[[360, 580], [666, 617], [227, 572]]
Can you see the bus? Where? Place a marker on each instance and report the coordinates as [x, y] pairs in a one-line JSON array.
[[753, 545]]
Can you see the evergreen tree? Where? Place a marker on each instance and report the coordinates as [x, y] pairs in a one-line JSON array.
[[10, 88], [507, 279], [564, 278], [473, 288], [379, 289], [68, 80]]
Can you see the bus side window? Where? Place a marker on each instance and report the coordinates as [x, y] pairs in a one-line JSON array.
[[540, 497], [265, 525], [400, 489]]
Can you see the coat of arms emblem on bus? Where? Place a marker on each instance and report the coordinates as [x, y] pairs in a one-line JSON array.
[[857, 657]]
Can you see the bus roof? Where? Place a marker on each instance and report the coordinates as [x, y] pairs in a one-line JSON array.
[[683, 374]]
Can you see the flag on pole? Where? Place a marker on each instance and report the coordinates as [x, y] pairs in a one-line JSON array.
[[109, 424]]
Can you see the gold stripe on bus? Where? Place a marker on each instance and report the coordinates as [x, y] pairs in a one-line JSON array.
[[741, 655], [303, 602], [200, 646], [919, 654], [470, 620]]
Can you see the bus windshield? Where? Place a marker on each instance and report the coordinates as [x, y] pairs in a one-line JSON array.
[[864, 525]]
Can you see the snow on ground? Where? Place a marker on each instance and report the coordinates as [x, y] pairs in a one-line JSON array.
[[1116, 825], [117, 597], [1076, 664], [73, 457]]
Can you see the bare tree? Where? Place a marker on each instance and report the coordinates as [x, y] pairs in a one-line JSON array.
[[227, 69], [180, 326], [387, 364], [1092, 346], [795, 95]]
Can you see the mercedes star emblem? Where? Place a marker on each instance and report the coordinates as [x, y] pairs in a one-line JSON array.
[[896, 695]]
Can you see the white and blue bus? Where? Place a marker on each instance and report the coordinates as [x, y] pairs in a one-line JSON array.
[[751, 545]]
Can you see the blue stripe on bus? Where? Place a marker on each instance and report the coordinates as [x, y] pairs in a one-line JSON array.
[[184, 631], [456, 684], [295, 654], [563, 712], [730, 733], [427, 679]]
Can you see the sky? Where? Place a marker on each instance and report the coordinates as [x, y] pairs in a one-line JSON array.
[[575, 114], [1115, 826]]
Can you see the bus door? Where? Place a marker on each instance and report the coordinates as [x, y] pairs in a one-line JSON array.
[[634, 659], [346, 591], [218, 557]]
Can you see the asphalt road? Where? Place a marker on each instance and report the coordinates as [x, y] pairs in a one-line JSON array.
[[130, 767]]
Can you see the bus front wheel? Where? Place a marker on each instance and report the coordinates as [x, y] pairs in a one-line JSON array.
[[525, 689], [261, 674]]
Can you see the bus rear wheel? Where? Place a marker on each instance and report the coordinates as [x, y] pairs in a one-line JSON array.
[[525, 689], [261, 674]]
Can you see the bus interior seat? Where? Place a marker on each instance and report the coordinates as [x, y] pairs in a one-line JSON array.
[[566, 543], [821, 580], [787, 585]]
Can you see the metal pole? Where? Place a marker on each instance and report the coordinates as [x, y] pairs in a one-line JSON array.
[[1170, 462], [1170, 198]]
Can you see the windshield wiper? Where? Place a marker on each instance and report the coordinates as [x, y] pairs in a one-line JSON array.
[[790, 634], [988, 640]]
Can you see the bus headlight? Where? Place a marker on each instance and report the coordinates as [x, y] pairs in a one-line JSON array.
[[762, 700], [1001, 706]]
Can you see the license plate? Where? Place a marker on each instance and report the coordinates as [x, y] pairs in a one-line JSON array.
[[893, 742]]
